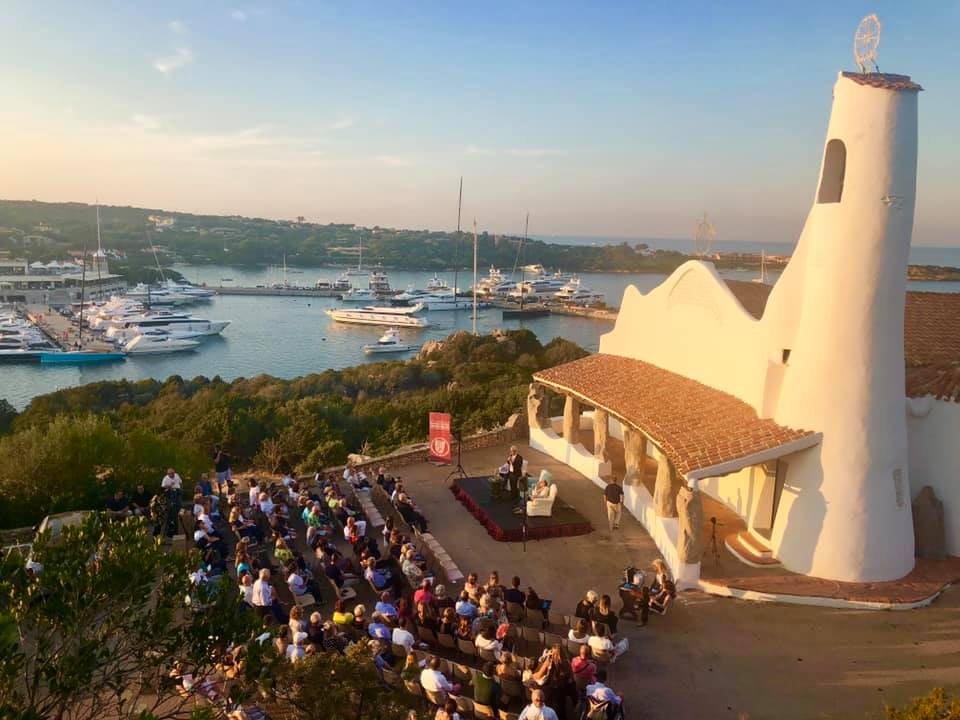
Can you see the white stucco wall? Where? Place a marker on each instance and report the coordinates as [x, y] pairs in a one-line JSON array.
[[748, 493], [838, 309], [935, 460], [549, 442], [692, 325]]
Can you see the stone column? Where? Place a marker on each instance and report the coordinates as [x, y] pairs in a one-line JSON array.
[[690, 512], [664, 496], [601, 431], [537, 406], [634, 455], [571, 420]]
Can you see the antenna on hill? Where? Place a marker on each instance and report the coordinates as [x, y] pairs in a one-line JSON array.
[[866, 42], [704, 234]]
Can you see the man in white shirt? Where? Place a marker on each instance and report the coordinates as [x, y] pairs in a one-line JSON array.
[[403, 636], [296, 651], [433, 680], [246, 589], [537, 709], [600, 692], [264, 598], [266, 504], [171, 481]]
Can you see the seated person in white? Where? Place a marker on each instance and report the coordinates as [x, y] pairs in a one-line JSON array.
[[433, 680], [348, 528], [543, 496], [403, 636], [602, 642], [487, 640]]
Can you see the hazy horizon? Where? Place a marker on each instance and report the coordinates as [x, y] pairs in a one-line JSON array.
[[603, 121]]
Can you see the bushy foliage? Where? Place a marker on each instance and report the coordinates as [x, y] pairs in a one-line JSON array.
[[96, 632], [71, 448], [938, 705]]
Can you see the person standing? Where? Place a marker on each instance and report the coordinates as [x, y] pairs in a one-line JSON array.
[[515, 461], [221, 463], [613, 498]]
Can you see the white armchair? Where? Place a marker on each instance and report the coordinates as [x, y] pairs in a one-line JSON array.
[[542, 506]]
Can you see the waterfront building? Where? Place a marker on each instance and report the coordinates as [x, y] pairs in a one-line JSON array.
[[55, 284], [798, 407]]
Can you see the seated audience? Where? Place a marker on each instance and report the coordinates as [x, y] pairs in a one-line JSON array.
[[580, 633], [513, 593], [602, 613], [583, 667], [118, 507], [486, 689], [433, 680], [403, 636], [508, 668], [586, 606]]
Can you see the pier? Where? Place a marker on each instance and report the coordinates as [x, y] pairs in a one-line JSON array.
[[276, 292], [61, 331]]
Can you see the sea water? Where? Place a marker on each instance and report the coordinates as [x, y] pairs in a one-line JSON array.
[[291, 336]]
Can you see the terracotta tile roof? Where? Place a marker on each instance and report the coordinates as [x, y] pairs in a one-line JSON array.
[[940, 379], [931, 328], [885, 81], [695, 425], [931, 337], [752, 295]]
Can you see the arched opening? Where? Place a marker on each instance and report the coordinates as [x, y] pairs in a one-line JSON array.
[[834, 168]]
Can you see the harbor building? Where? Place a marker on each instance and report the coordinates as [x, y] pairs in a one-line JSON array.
[[55, 284], [816, 411]]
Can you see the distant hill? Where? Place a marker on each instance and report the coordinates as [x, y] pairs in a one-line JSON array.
[[46, 231]]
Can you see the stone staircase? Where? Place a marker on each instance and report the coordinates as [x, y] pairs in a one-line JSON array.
[[750, 549]]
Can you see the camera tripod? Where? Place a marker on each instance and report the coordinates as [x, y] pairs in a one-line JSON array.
[[458, 473]]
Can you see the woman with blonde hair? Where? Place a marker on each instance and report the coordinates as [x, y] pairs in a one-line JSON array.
[[508, 668], [585, 607]]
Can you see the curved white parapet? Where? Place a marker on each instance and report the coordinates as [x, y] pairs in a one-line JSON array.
[[576, 456], [664, 531]]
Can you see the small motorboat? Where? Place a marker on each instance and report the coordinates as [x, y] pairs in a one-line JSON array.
[[389, 342]]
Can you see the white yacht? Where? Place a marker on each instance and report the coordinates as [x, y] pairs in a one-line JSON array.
[[359, 295], [379, 283], [154, 345], [378, 316], [181, 325], [494, 278], [192, 291], [389, 342], [123, 335], [574, 292], [435, 283]]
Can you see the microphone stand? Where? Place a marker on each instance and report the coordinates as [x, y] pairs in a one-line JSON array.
[[523, 499]]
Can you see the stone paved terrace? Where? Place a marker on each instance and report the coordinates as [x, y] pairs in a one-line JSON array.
[[709, 657]]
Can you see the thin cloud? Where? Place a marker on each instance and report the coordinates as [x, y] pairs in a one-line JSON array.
[[535, 152], [394, 161], [342, 124], [474, 150], [177, 26], [146, 122], [182, 57], [238, 15]]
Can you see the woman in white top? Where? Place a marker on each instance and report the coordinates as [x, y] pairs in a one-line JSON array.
[[296, 651], [297, 623], [410, 568], [579, 634], [487, 640]]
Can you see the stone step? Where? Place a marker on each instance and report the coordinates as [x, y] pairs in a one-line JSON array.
[[745, 554], [755, 545]]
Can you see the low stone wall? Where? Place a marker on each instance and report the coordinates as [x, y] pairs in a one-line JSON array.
[[514, 430]]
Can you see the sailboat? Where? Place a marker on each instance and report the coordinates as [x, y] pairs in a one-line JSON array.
[[359, 270], [523, 313], [81, 356]]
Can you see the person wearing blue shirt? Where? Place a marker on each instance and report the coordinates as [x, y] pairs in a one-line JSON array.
[[385, 607]]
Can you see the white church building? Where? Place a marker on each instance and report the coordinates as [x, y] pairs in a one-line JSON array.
[[817, 409]]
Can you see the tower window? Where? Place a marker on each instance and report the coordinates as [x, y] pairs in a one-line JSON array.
[[834, 168]]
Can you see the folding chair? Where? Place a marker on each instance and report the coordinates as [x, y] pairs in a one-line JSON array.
[[484, 711], [467, 647]]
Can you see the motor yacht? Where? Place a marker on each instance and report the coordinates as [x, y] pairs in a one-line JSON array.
[[445, 300], [575, 293], [389, 342], [379, 283], [378, 316], [359, 295], [154, 345]]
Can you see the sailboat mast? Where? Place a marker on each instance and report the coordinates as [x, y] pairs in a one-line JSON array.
[[99, 254], [474, 276], [456, 244], [83, 295], [526, 225]]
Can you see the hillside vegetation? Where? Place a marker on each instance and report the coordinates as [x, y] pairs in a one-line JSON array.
[[46, 231], [71, 448]]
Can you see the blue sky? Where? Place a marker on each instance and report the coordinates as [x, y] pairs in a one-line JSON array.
[[604, 119]]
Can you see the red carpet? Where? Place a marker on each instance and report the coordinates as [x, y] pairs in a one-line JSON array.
[[497, 516]]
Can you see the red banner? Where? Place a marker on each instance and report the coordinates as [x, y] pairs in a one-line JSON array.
[[440, 445]]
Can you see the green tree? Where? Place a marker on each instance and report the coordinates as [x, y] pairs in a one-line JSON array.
[[96, 632], [335, 687], [7, 415]]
